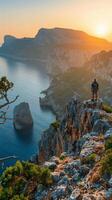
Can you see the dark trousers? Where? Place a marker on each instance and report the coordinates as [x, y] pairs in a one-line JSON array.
[[94, 95]]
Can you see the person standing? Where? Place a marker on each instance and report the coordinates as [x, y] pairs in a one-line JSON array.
[[94, 90]]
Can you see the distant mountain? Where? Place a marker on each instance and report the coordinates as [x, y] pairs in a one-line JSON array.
[[57, 48], [101, 65]]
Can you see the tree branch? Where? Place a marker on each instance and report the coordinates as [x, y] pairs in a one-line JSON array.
[[3, 117], [8, 102]]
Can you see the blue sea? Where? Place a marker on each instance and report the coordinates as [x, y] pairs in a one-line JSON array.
[[29, 80]]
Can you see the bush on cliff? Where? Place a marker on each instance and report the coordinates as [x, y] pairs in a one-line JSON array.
[[15, 179], [55, 125], [108, 143], [106, 163], [89, 159], [107, 108]]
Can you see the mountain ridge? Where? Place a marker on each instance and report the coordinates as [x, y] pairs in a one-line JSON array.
[[59, 48]]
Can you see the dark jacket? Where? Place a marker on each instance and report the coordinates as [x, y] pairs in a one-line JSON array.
[[94, 86]]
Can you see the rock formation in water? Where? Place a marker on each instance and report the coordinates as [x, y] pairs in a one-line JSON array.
[[22, 117]]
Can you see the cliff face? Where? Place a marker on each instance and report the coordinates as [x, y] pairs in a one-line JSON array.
[[51, 144], [58, 49], [79, 152], [101, 64], [78, 120]]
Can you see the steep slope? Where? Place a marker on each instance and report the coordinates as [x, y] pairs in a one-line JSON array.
[[56, 48], [101, 65], [78, 119], [84, 170]]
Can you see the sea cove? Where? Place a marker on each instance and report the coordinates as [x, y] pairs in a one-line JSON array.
[[29, 80]]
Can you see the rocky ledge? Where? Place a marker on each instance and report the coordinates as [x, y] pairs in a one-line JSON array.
[[22, 117], [78, 150], [79, 119]]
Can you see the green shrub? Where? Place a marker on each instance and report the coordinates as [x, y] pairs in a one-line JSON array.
[[19, 185], [62, 157], [55, 125], [106, 162], [14, 179], [45, 178], [19, 197], [107, 108], [31, 170], [11, 172], [90, 159], [4, 194], [108, 143]]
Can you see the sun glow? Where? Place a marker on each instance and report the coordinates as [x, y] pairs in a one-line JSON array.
[[101, 31]]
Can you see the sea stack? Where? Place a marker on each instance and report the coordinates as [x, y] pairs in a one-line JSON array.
[[22, 118]]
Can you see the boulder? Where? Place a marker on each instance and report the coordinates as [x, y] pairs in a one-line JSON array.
[[64, 181], [55, 159], [22, 117], [40, 193], [50, 165], [108, 133], [56, 176], [110, 182], [59, 192], [108, 194], [101, 126], [75, 194]]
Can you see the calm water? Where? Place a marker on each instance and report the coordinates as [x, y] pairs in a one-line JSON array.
[[29, 80]]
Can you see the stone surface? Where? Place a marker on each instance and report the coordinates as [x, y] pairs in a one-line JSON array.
[[50, 165], [108, 133], [101, 126], [77, 175], [22, 117], [108, 194], [93, 145], [75, 194], [59, 192]]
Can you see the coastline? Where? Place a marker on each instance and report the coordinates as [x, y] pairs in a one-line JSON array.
[[47, 102], [16, 58], [43, 100], [47, 116]]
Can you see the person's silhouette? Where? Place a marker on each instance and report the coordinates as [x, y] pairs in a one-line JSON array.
[[94, 90]]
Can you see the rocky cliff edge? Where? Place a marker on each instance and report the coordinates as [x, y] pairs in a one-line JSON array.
[[78, 150]]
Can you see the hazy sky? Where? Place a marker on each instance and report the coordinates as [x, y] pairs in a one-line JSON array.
[[23, 18]]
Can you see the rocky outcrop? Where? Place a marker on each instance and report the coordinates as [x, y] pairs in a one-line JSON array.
[[78, 173], [22, 117], [80, 119], [72, 180], [51, 144]]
